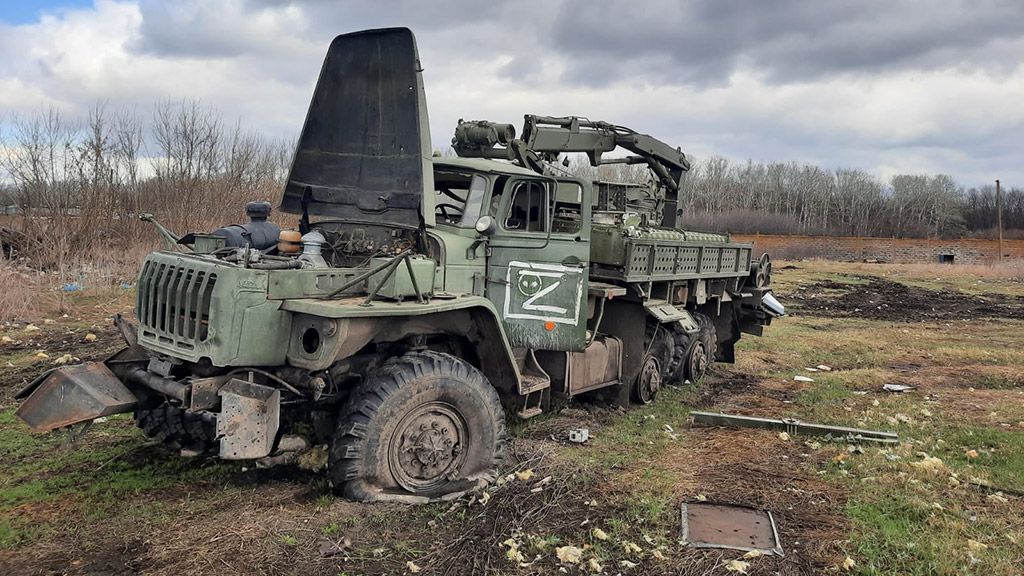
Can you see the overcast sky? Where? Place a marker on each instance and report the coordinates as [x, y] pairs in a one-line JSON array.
[[892, 87]]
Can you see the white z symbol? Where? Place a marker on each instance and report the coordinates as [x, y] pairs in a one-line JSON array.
[[529, 304]]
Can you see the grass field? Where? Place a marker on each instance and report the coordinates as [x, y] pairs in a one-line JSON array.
[[949, 499]]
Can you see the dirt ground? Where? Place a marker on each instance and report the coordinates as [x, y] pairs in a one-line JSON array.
[[115, 504]]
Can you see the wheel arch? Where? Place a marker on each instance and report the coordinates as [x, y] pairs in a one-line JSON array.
[[344, 331]]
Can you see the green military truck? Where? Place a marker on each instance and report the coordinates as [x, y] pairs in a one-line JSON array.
[[426, 298]]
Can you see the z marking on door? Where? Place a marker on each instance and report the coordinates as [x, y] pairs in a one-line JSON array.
[[546, 292]]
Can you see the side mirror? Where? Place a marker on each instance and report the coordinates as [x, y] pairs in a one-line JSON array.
[[486, 225]]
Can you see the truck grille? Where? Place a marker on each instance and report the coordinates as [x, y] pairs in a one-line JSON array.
[[174, 302]]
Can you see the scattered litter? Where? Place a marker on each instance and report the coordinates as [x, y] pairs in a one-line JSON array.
[[6, 339], [513, 553], [811, 369], [31, 328], [710, 525], [848, 564], [668, 428], [824, 368], [71, 287], [998, 498], [330, 548], [657, 554], [784, 436], [594, 566], [485, 497], [599, 534], [579, 435], [631, 548], [525, 475], [627, 564], [752, 554], [738, 566], [42, 356], [412, 567], [90, 337], [537, 487], [930, 464], [49, 321], [897, 387], [971, 453], [799, 378], [975, 546], [569, 554], [792, 426]]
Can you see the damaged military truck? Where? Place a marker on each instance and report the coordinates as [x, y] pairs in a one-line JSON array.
[[422, 298]]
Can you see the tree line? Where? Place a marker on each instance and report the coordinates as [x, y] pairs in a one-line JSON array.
[[794, 198], [74, 185], [81, 183]]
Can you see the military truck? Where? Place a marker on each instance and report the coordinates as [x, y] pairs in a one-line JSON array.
[[422, 297]]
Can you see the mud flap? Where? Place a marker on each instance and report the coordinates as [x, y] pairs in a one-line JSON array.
[[74, 394], [248, 420]]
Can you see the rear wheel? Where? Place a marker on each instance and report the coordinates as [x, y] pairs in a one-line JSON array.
[[426, 426], [700, 353]]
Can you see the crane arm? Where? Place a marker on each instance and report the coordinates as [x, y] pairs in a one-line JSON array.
[[545, 137]]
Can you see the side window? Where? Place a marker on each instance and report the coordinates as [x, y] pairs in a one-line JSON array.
[[528, 209], [567, 216]]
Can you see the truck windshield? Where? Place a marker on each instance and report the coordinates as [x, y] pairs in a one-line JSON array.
[[458, 198]]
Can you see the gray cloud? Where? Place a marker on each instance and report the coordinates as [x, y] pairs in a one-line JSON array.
[[888, 86], [705, 42]]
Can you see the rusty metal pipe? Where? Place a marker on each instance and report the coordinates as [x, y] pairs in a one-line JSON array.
[[162, 385]]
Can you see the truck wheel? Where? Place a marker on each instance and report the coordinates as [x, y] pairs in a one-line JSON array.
[[708, 337], [659, 341], [696, 365], [177, 428], [424, 427], [648, 382]]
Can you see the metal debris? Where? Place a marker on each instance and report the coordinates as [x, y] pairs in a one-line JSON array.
[[712, 525], [793, 426], [579, 435]]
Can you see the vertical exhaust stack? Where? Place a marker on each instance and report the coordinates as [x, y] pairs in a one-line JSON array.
[[364, 152]]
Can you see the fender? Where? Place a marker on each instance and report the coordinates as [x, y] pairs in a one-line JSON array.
[[355, 325]]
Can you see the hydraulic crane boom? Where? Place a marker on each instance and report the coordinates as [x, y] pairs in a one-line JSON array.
[[545, 137]]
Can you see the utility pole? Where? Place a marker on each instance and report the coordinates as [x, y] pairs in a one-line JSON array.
[[999, 219]]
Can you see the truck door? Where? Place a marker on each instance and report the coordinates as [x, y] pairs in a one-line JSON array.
[[539, 256]]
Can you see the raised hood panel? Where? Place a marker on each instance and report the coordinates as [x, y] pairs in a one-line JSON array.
[[364, 149]]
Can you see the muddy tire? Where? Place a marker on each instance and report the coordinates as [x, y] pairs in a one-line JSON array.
[[177, 428], [424, 427], [701, 350], [659, 340]]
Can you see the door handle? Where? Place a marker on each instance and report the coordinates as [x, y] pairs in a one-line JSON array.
[[572, 261]]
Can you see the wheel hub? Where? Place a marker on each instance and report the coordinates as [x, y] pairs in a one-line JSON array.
[[649, 380], [698, 361], [427, 448]]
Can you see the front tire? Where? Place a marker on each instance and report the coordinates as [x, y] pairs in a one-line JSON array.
[[424, 427]]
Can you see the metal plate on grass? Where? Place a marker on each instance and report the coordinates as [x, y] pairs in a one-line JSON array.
[[710, 525]]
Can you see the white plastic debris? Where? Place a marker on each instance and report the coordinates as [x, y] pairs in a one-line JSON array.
[[799, 378]]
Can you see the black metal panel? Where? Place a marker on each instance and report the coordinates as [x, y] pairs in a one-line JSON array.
[[360, 154]]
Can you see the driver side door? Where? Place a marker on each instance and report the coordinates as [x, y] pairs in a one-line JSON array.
[[537, 275]]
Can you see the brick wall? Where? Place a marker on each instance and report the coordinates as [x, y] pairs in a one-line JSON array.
[[843, 248]]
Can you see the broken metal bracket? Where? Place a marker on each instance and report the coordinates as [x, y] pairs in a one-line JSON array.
[[794, 426]]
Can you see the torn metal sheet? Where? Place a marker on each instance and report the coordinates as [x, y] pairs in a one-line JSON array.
[[248, 421], [794, 426], [712, 525], [73, 394], [897, 387]]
